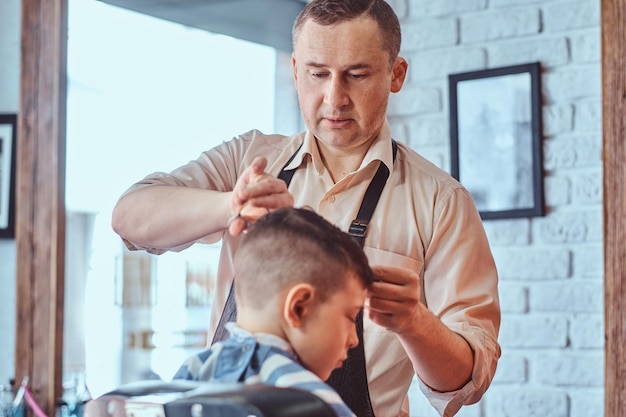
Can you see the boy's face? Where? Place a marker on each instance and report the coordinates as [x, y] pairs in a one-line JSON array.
[[329, 330]]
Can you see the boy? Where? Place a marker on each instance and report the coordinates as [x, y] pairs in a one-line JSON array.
[[300, 284]]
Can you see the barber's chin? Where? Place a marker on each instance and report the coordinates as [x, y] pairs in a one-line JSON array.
[[336, 138]]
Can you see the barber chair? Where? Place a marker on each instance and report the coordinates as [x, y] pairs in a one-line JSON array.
[[206, 399]]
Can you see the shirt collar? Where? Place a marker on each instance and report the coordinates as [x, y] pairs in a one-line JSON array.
[[380, 150], [261, 338]]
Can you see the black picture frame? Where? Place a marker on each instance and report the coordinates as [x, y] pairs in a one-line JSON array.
[[8, 135], [495, 139]]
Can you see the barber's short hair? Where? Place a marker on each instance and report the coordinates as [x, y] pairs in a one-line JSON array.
[[330, 12], [295, 245]]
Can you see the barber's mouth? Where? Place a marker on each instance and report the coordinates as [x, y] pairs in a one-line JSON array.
[[337, 123]]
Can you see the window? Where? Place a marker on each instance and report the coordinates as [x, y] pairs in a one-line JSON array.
[[144, 95]]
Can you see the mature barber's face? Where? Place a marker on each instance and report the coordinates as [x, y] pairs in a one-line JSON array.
[[343, 79]]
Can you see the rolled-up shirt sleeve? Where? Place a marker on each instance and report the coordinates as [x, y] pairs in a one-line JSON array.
[[461, 288]]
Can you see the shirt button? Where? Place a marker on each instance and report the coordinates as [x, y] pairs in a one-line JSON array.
[[331, 198]]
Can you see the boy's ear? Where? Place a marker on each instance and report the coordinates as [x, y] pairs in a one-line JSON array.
[[298, 304]]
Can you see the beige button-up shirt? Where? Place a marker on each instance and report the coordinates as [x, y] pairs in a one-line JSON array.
[[425, 221]]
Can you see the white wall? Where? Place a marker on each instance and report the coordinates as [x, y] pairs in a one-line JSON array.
[[551, 268], [10, 12]]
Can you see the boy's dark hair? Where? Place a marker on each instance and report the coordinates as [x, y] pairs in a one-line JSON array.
[[330, 12], [292, 245]]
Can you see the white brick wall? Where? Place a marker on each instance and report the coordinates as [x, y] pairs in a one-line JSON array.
[[551, 268]]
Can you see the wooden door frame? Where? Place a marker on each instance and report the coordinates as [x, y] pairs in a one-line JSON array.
[[614, 196], [40, 226], [40, 197]]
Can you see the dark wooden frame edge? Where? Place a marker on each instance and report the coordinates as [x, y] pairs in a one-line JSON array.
[[9, 231], [534, 69]]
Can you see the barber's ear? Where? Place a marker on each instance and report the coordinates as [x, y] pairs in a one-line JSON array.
[[294, 68], [398, 74], [298, 304]]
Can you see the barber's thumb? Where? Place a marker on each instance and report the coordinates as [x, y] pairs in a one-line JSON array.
[[259, 164]]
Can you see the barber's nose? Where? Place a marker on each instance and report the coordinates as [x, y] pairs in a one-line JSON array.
[[336, 93]]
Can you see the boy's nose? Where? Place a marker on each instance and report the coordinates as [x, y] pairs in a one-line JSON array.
[[353, 338]]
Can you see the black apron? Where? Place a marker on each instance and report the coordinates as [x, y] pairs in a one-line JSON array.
[[350, 381]]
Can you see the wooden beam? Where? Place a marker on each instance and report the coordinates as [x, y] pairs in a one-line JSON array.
[[267, 22], [40, 196], [614, 145]]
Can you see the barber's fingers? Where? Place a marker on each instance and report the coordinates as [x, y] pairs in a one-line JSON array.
[[273, 200], [255, 193], [395, 292], [250, 175], [258, 165], [248, 214], [237, 226], [251, 213], [395, 275], [265, 184], [265, 191]]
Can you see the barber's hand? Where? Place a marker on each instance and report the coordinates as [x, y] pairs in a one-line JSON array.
[[255, 193], [394, 298]]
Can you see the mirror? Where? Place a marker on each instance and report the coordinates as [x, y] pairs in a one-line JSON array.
[[147, 95]]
